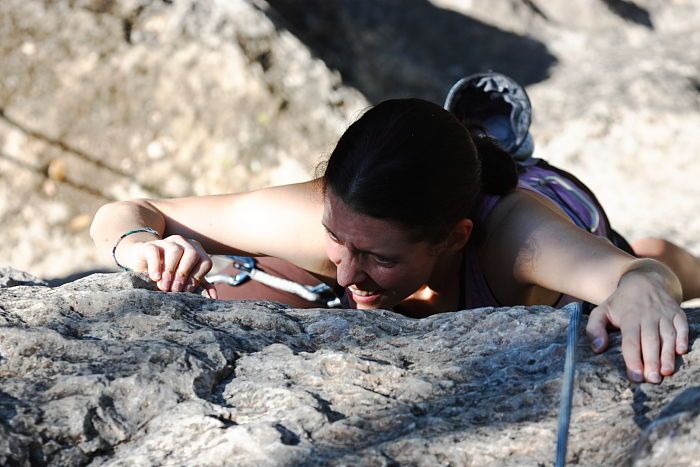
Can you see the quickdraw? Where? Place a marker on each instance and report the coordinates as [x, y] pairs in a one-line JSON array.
[[321, 293]]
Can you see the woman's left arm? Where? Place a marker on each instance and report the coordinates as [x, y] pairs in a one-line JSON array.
[[641, 297]]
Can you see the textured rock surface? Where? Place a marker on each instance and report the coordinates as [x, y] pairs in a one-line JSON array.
[[103, 100], [614, 84], [106, 371], [10, 277]]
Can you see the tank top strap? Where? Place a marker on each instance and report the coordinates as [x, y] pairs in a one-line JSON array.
[[476, 292], [483, 207]]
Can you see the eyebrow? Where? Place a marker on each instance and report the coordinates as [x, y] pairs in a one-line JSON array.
[[359, 250]]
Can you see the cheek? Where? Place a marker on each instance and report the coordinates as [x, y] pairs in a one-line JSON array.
[[411, 277], [397, 279]]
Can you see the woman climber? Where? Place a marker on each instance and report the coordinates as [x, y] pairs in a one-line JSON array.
[[422, 210]]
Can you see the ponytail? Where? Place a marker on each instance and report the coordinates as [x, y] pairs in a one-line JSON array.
[[499, 174]]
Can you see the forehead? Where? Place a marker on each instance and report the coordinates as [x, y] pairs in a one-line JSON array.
[[362, 231]]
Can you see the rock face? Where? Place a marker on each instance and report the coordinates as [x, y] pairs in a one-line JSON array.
[[106, 100], [103, 100], [10, 277], [107, 371], [614, 84]]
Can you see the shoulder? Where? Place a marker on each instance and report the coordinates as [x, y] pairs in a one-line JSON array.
[[518, 205], [517, 212], [532, 246], [511, 244]]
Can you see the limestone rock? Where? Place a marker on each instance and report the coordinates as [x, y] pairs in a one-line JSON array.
[[108, 371], [140, 98], [102, 101], [614, 84], [10, 277]]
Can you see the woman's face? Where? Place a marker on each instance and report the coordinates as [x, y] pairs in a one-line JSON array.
[[376, 262]]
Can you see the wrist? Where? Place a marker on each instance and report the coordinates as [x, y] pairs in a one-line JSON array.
[[131, 237], [655, 272]]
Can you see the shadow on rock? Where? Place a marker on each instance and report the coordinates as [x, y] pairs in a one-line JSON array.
[[630, 12], [57, 281], [671, 430], [686, 401], [391, 48]]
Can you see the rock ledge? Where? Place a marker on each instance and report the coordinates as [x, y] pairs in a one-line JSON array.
[[108, 371]]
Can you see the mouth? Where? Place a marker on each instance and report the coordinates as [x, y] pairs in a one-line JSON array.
[[364, 297]]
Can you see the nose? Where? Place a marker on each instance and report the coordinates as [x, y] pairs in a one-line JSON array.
[[349, 270]]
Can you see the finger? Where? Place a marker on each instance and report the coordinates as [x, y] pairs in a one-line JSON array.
[[651, 349], [668, 347], [198, 273], [172, 253], [209, 289], [154, 260], [680, 322], [201, 269], [596, 329], [631, 352], [188, 261]]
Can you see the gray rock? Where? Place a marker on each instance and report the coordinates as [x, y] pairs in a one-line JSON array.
[[10, 277], [614, 84], [108, 371], [104, 100]]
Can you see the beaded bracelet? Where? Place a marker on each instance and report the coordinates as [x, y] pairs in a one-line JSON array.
[[142, 229]]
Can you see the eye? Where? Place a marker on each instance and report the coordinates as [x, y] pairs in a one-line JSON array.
[[384, 262], [332, 236]]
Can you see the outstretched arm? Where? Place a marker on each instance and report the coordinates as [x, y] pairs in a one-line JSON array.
[[641, 297]]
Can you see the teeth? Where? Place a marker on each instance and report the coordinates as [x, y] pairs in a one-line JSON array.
[[361, 293]]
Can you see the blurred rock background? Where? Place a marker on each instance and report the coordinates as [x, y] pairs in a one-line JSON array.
[[103, 100]]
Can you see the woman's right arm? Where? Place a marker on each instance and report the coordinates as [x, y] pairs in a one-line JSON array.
[[284, 222]]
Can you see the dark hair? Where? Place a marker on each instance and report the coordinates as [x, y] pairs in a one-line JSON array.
[[411, 161]]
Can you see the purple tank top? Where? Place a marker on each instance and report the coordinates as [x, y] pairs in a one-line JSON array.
[[559, 187]]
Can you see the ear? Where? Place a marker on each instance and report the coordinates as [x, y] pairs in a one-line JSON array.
[[458, 236]]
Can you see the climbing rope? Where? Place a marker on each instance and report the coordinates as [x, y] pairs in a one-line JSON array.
[[567, 389]]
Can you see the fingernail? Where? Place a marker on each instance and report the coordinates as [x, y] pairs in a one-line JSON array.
[[682, 348], [654, 378], [156, 276], [597, 343], [178, 285], [636, 376], [167, 278]]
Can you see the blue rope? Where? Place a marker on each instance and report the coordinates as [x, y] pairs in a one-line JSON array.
[[567, 389]]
